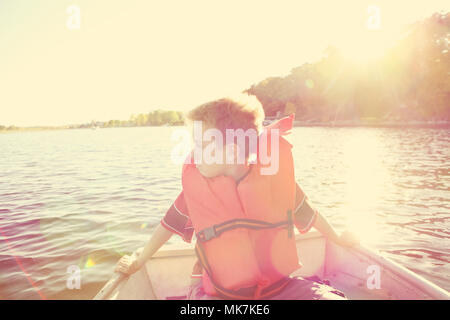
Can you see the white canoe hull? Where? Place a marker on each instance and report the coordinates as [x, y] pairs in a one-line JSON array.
[[360, 273]]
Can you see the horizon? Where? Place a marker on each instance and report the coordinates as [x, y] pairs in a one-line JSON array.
[[54, 76]]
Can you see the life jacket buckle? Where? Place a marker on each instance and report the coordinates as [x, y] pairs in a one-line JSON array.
[[207, 234]]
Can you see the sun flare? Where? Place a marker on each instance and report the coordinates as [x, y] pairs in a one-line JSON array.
[[366, 180], [366, 46]]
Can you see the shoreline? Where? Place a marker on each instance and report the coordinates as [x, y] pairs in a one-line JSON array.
[[345, 124], [297, 123]]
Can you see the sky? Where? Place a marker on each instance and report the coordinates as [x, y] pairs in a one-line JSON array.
[[135, 56]]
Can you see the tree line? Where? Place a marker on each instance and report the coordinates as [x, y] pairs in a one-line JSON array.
[[154, 118], [410, 82]]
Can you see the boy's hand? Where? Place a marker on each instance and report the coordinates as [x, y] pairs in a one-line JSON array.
[[347, 239], [128, 265]]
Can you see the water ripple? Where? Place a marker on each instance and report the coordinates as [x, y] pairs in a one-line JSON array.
[[84, 198]]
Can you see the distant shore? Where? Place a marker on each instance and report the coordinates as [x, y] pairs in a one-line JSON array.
[[380, 124], [297, 123]]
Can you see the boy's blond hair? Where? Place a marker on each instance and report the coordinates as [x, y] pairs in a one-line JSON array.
[[241, 111]]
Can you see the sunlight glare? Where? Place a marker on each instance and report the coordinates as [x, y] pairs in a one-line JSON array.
[[367, 46], [366, 179]]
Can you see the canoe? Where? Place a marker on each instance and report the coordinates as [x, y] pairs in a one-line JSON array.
[[360, 272]]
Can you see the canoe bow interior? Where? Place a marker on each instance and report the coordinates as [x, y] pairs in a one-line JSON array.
[[354, 271]]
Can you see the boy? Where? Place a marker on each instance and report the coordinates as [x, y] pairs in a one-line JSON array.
[[241, 199]]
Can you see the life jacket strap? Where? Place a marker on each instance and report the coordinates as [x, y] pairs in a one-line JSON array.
[[216, 230]]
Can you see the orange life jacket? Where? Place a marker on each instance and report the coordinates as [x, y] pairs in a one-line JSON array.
[[245, 236]]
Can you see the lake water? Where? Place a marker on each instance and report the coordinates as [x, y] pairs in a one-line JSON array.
[[85, 197]]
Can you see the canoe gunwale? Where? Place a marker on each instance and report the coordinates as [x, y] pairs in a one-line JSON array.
[[416, 281]]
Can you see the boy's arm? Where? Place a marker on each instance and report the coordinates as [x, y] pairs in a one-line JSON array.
[[323, 226], [176, 220], [346, 239], [128, 265], [159, 237]]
